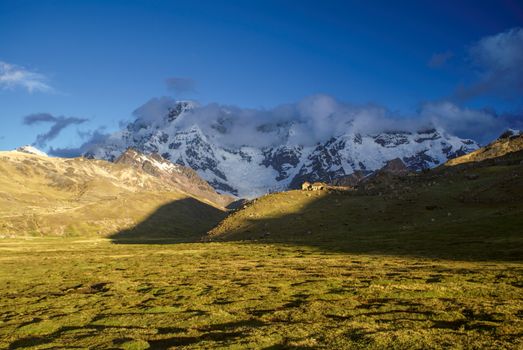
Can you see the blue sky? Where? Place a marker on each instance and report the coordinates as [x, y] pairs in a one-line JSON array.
[[94, 62]]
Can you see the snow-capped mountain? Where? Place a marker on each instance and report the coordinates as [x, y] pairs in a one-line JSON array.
[[246, 155]]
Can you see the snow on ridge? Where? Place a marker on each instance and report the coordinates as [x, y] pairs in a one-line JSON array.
[[250, 170], [31, 150]]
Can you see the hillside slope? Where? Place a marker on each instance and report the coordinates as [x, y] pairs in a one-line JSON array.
[[180, 177], [458, 212], [79, 197], [510, 142]]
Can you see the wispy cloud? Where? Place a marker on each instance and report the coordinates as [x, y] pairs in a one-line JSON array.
[[439, 59], [180, 85], [57, 125], [91, 138], [13, 76], [498, 60]]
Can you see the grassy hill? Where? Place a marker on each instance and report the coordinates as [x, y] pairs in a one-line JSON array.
[[506, 147], [467, 211], [43, 196]]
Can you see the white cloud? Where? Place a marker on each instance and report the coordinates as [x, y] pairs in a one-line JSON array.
[[13, 76], [499, 63], [320, 117], [154, 110], [314, 119], [481, 125]]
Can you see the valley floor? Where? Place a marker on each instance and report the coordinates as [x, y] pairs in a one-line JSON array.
[[65, 293]]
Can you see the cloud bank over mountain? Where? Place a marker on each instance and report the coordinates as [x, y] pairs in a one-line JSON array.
[[319, 117], [93, 138], [313, 120]]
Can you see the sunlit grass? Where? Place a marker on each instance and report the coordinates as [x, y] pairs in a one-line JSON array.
[[94, 294]]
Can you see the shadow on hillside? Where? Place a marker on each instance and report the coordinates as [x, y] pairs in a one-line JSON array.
[[446, 215], [471, 212], [184, 220], [393, 228]]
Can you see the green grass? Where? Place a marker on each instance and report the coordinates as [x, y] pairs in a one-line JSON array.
[[441, 214], [431, 261], [59, 293]]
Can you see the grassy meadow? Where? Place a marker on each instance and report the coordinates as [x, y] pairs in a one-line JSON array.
[[428, 261], [70, 293]]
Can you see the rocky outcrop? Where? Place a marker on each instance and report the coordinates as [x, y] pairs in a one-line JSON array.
[[395, 167]]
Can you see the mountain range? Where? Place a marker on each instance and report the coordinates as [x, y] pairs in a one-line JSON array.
[[146, 196], [217, 145]]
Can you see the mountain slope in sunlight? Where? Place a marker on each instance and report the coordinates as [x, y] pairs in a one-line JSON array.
[[41, 195], [509, 142], [452, 211], [180, 177]]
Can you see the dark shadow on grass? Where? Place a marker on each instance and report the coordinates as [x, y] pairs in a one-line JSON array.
[[445, 213], [188, 340], [227, 326], [184, 220], [285, 346], [28, 342], [481, 237]]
